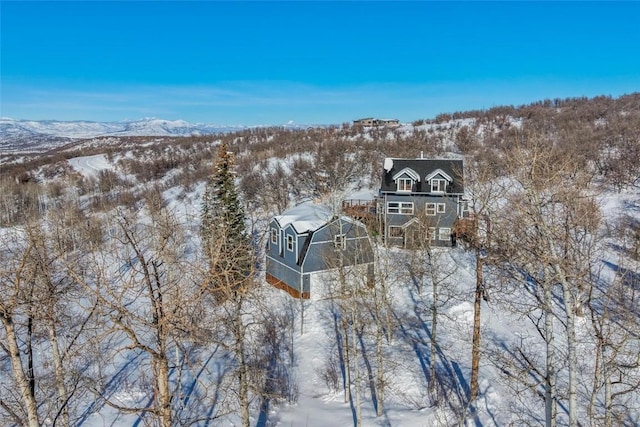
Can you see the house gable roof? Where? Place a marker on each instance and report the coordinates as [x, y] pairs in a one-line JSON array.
[[436, 173], [310, 217], [453, 168], [408, 171], [305, 217]]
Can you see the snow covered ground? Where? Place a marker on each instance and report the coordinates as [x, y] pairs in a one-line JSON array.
[[90, 166], [408, 402]]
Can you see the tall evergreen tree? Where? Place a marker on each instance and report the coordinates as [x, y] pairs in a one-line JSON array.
[[226, 244]]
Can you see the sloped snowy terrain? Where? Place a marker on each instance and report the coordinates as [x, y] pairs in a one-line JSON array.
[[125, 176], [407, 401], [14, 130]]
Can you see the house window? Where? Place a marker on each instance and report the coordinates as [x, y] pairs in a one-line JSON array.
[[430, 209], [465, 209], [438, 185], [395, 231], [340, 241], [405, 184], [274, 236], [444, 234], [432, 233], [290, 243], [403, 208]]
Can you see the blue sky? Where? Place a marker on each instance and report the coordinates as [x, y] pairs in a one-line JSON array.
[[268, 63]]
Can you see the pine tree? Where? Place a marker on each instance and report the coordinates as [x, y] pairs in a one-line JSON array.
[[226, 244]]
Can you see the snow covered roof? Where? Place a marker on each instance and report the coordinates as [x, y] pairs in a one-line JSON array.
[[305, 217]]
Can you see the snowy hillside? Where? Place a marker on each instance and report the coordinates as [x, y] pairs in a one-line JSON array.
[[111, 305], [15, 131]]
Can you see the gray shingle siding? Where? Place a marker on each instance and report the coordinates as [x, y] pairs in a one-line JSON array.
[[322, 253], [431, 209], [281, 271], [316, 250]]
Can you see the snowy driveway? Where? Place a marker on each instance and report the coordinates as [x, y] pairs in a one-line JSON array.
[[90, 165]]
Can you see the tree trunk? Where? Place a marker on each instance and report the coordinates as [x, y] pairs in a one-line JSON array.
[[347, 362], [243, 374], [61, 388], [475, 350], [22, 381], [380, 383], [550, 379], [597, 378], [356, 371], [161, 373], [434, 335], [31, 376], [571, 345], [608, 400]]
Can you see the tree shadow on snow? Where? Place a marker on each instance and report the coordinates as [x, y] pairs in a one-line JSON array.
[[450, 382], [109, 388]]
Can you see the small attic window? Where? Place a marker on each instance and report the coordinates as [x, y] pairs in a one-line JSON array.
[[339, 241], [439, 181], [405, 178], [405, 184], [438, 185]]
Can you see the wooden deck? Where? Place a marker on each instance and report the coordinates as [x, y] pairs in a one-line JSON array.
[[358, 208], [365, 211]]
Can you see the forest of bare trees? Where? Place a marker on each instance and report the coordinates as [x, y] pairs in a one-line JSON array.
[[117, 297]]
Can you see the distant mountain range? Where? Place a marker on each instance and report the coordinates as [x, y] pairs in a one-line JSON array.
[[14, 132], [13, 129]]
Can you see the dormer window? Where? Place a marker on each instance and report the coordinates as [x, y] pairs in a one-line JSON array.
[[438, 185], [405, 184], [405, 179], [438, 181]]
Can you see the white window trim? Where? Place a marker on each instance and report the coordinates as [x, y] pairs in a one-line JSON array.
[[430, 207], [441, 208], [432, 233], [400, 188], [409, 172], [290, 239], [465, 209], [439, 172], [403, 208], [437, 182], [340, 241], [274, 236], [444, 232]]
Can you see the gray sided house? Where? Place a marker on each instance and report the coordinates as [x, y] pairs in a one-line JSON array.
[[310, 238], [420, 200], [370, 121]]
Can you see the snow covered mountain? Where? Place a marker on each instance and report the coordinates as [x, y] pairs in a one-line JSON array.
[[12, 130]]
